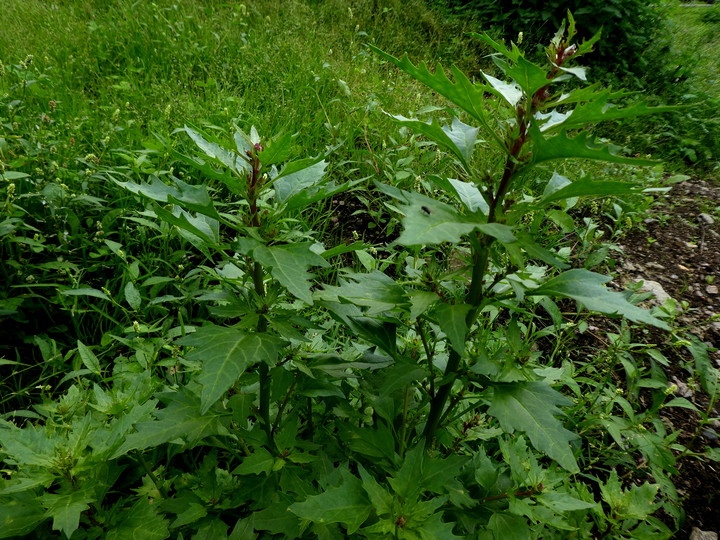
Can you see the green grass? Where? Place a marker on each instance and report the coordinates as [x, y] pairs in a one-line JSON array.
[[697, 31]]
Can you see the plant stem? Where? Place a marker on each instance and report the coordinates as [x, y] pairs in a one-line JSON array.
[[264, 371], [148, 470], [428, 355], [437, 404]]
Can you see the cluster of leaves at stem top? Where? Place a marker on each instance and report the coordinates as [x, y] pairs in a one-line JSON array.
[[323, 443]]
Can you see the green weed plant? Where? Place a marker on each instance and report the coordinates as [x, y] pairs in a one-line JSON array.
[[241, 390]]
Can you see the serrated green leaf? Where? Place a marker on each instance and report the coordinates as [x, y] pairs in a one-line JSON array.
[[599, 109], [531, 407], [459, 138], [65, 509], [180, 419], [581, 146], [88, 358], [462, 92], [277, 519], [29, 446], [347, 504], [508, 526], [194, 198], [428, 221], [277, 150], [132, 296], [225, 353], [586, 187], [140, 522], [20, 482], [288, 264], [260, 461], [380, 498], [451, 319], [215, 151], [588, 288]]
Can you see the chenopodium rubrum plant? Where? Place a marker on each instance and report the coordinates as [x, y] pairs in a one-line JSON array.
[[460, 381], [261, 259]]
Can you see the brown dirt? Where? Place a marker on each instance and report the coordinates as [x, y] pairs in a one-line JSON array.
[[679, 248]]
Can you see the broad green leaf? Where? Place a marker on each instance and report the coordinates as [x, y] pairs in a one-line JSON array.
[[508, 527], [428, 221], [65, 509], [531, 407], [375, 290], [278, 519], [509, 92], [459, 138], [20, 515], [377, 331], [347, 504], [132, 296], [288, 264], [451, 319], [260, 461], [13, 175], [211, 529], [225, 353], [463, 137], [88, 358], [290, 184], [204, 228], [588, 288], [563, 502], [226, 176], [317, 193], [215, 151], [527, 75], [581, 146], [180, 419], [140, 522], [194, 198], [277, 150], [466, 192], [27, 479], [470, 196]]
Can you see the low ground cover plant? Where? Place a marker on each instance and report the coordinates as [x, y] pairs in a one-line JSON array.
[[253, 378]]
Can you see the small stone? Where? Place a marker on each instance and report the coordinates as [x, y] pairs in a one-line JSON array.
[[655, 266], [682, 389], [705, 218], [697, 534], [674, 276], [657, 290], [711, 289]]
